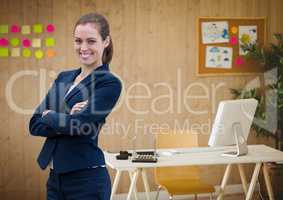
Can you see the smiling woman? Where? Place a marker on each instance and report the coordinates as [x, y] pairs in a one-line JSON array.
[[92, 35], [72, 114], [89, 44]]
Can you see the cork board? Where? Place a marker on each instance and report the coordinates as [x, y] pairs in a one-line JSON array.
[[219, 45]]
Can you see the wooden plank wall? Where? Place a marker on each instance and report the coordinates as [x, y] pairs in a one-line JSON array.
[[154, 42]]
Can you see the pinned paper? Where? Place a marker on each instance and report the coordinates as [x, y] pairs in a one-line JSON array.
[[26, 53], [49, 42], [4, 42], [4, 29], [26, 43], [14, 42], [218, 57], [233, 40], [50, 28], [26, 29], [4, 52], [37, 28], [234, 29], [239, 60], [36, 42], [215, 32], [15, 29], [247, 36], [15, 52], [50, 53], [38, 54]]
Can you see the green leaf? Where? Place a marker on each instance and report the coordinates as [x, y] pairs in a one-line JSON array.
[[235, 92], [279, 37], [270, 57]]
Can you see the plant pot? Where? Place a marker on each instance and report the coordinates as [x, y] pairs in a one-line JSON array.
[[275, 172]]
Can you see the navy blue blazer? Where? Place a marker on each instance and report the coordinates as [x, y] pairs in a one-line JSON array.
[[72, 139]]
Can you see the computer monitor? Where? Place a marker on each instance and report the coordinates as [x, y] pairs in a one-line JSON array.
[[232, 124]]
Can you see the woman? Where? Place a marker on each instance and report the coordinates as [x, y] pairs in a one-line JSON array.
[[72, 114]]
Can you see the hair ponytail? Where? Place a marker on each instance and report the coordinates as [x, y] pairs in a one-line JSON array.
[[108, 53]]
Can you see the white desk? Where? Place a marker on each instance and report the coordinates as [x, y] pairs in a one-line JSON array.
[[258, 154]]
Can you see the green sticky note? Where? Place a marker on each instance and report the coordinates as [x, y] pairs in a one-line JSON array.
[[49, 42], [15, 52], [38, 54], [25, 29], [4, 29], [37, 28], [26, 53], [4, 52], [36, 42], [14, 41]]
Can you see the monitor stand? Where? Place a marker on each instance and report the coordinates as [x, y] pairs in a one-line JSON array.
[[241, 143]]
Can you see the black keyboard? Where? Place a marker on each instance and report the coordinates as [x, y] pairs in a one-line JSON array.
[[145, 158]]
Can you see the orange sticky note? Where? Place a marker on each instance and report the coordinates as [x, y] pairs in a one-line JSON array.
[[50, 53], [234, 29]]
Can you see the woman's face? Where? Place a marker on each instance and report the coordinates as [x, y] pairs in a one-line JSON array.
[[89, 45]]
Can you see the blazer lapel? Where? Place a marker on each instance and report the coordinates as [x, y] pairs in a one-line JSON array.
[[63, 86], [68, 80], [81, 87]]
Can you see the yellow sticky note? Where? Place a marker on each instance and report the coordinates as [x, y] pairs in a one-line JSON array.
[[49, 42], [15, 52], [38, 54], [14, 42], [4, 29], [26, 29], [4, 52], [26, 53], [36, 42], [37, 28]]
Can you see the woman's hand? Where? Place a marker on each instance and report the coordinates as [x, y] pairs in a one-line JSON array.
[[78, 107], [45, 113]]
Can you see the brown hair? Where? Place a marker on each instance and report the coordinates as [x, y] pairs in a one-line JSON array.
[[104, 31]]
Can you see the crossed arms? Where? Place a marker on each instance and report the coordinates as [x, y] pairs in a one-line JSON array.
[[83, 118]]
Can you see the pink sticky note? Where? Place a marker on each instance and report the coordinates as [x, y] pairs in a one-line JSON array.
[[26, 43], [233, 40], [240, 60], [15, 29], [50, 28], [4, 42]]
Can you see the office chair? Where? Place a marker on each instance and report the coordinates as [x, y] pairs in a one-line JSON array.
[[180, 180]]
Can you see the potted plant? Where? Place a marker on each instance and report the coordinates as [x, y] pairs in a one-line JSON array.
[[268, 119]]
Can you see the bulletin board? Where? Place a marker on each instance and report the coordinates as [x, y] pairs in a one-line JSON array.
[[219, 45]]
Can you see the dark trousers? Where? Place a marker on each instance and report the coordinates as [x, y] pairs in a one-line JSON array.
[[87, 184]]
